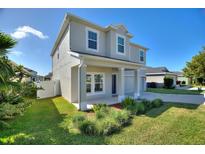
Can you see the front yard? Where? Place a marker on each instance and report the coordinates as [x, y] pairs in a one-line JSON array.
[[174, 91], [48, 121]]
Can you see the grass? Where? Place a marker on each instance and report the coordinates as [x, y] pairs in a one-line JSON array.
[[48, 121], [174, 91]]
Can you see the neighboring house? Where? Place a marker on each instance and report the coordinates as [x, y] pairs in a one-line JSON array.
[[48, 77], [33, 76], [93, 62], [181, 78], [157, 75]]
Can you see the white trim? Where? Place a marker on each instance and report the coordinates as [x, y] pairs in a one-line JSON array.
[[142, 61], [116, 44], [86, 38], [93, 84]]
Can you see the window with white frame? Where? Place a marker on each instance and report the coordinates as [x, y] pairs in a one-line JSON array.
[[98, 82], [92, 40], [88, 83], [94, 83], [120, 44], [141, 55]]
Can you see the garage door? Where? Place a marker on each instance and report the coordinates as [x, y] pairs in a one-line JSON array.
[[129, 84]]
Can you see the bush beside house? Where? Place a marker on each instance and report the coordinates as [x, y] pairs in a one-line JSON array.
[[168, 82], [107, 120]]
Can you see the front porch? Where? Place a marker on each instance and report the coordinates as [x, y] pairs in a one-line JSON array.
[[107, 82]]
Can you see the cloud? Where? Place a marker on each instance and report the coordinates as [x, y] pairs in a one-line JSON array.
[[16, 53], [24, 31]]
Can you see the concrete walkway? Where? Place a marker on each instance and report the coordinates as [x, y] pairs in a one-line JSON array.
[[190, 99]]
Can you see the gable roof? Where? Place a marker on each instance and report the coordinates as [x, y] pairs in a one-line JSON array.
[[156, 70], [70, 17]]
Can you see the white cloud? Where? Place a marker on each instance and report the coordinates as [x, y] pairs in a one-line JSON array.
[[24, 31], [16, 53]]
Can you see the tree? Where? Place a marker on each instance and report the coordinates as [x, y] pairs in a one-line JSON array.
[[6, 69], [195, 69], [20, 72]]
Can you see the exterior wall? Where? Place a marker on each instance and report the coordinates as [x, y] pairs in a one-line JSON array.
[[182, 78], [159, 79], [135, 54], [78, 39], [107, 43], [62, 67], [108, 81]]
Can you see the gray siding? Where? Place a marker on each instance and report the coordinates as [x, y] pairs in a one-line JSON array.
[[107, 43]]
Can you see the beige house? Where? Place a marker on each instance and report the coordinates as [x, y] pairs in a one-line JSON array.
[[157, 75], [95, 64]]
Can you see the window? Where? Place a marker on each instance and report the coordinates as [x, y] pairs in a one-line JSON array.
[[120, 44], [88, 83], [141, 56], [91, 39], [94, 83], [98, 82]]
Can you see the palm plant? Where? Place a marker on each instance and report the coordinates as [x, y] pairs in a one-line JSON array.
[[6, 69]]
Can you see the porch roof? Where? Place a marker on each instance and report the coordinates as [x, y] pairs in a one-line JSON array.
[[89, 55]]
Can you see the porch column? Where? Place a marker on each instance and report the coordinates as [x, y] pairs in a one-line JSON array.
[[137, 84], [82, 86], [121, 82]]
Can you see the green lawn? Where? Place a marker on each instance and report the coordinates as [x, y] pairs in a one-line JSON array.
[[174, 91], [48, 122]]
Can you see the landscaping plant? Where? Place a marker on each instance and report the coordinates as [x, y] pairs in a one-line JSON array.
[[157, 102], [105, 121], [168, 82]]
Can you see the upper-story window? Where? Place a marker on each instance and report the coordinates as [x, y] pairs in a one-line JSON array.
[[142, 55], [92, 39], [120, 44]]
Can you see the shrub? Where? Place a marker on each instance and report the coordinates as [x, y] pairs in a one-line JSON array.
[[8, 111], [133, 109], [87, 127], [183, 82], [140, 108], [178, 82], [123, 117], [4, 125], [10, 96], [157, 102], [98, 107], [152, 85], [127, 102], [28, 89], [77, 120], [147, 104], [107, 126], [168, 82]]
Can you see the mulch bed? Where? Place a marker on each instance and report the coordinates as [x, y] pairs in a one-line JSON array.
[[117, 106]]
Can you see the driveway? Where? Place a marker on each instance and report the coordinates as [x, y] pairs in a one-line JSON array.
[[190, 99]]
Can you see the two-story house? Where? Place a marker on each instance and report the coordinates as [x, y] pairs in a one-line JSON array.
[[93, 62]]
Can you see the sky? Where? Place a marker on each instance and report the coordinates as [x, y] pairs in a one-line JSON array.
[[173, 36]]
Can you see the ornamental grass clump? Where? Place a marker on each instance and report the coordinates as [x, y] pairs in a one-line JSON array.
[[105, 121]]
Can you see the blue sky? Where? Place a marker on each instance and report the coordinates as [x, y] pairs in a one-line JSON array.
[[173, 35]]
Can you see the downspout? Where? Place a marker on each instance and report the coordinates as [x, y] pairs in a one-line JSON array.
[[79, 82]]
